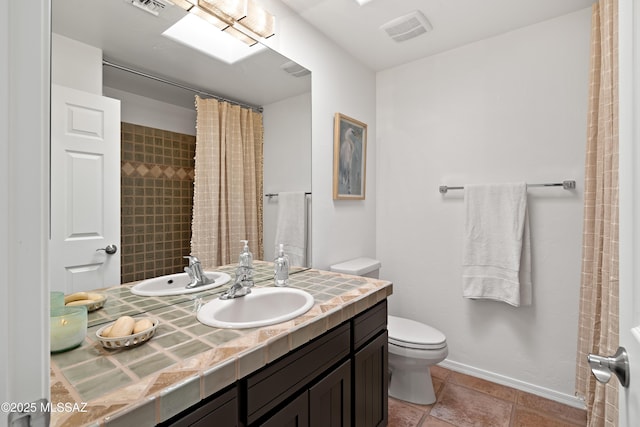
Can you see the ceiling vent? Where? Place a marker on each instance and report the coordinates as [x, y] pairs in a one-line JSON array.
[[408, 26], [296, 70], [154, 7]]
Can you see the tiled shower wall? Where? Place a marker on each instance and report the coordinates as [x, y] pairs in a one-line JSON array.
[[157, 169]]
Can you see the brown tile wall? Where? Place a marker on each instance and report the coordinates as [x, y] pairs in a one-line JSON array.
[[156, 201]]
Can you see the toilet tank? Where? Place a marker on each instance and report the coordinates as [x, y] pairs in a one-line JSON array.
[[363, 266]]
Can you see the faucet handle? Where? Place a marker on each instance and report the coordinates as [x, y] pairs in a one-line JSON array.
[[192, 259], [243, 270], [242, 278]]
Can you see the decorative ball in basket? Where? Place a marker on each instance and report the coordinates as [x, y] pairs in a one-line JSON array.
[[127, 332]]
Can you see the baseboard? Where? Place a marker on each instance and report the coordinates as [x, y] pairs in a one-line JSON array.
[[563, 398]]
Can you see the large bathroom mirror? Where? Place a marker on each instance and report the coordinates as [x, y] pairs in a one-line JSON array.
[[140, 67]]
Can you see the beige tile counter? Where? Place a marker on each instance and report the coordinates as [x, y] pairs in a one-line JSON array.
[[186, 361]]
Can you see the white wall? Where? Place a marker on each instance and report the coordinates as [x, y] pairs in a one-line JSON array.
[[287, 158], [75, 64], [24, 196], [509, 108], [149, 112], [5, 191]]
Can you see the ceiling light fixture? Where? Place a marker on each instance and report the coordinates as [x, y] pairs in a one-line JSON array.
[[201, 35], [243, 19]]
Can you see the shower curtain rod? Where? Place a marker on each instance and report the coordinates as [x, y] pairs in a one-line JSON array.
[[567, 185], [179, 85]]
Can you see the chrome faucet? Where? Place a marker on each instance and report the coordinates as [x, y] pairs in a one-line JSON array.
[[197, 276], [243, 284]]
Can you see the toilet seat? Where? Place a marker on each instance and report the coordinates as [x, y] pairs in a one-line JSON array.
[[415, 335]]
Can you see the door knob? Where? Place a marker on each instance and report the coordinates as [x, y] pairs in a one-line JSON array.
[[602, 367], [110, 249]]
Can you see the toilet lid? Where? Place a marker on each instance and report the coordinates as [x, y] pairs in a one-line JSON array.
[[409, 333]]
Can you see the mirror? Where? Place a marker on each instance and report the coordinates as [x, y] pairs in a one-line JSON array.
[[132, 37]]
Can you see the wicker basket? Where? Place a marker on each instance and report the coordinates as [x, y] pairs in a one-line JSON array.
[[94, 302], [129, 340]]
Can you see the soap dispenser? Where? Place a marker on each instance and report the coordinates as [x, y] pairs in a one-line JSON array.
[[246, 257], [281, 268], [244, 272]]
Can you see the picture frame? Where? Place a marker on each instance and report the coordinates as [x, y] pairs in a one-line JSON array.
[[349, 158]]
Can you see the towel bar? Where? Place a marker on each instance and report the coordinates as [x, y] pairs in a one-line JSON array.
[[567, 185], [270, 195]]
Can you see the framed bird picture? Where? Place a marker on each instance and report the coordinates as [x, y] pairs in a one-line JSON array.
[[349, 158]]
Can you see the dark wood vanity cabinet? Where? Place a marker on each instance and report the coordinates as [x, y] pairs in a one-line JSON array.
[[297, 372], [219, 410], [294, 414], [325, 404], [330, 399], [339, 379], [371, 367], [371, 373]]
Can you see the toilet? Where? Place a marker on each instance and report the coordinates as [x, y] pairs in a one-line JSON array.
[[413, 346]]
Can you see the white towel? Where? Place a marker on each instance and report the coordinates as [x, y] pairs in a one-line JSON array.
[[497, 250], [291, 228]]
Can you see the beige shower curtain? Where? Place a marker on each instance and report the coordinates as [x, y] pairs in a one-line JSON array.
[[227, 200], [598, 321]]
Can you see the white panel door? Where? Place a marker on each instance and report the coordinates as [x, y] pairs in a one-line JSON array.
[[85, 190], [629, 90]]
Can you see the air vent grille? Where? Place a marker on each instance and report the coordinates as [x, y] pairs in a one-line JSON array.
[[154, 7], [408, 26], [294, 69]]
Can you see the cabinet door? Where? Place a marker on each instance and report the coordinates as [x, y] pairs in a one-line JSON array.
[[295, 414], [283, 379], [371, 383], [330, 399]]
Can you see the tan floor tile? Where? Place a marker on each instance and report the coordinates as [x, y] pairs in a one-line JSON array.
[[527, 418], [493, 389], [552, 408], [463, 401], [438, 386], [440, 372], [434, 422], [464, 407], [403, 414]]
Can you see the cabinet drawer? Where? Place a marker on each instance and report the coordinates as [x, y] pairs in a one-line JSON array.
[[221, 410], [368, 324], [285, 377]]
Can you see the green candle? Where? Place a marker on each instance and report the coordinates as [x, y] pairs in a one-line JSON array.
[[68, 327], [56, 299]]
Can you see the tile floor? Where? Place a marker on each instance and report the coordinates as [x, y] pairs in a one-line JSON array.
[[466, 401]]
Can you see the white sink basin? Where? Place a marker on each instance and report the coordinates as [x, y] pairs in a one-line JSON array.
[[175, 284], [262, 307]]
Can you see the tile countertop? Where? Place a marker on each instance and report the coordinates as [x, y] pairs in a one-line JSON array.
[[186, 361]]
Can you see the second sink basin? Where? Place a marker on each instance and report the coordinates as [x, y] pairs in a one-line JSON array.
[[176, 284], [262, 307]]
